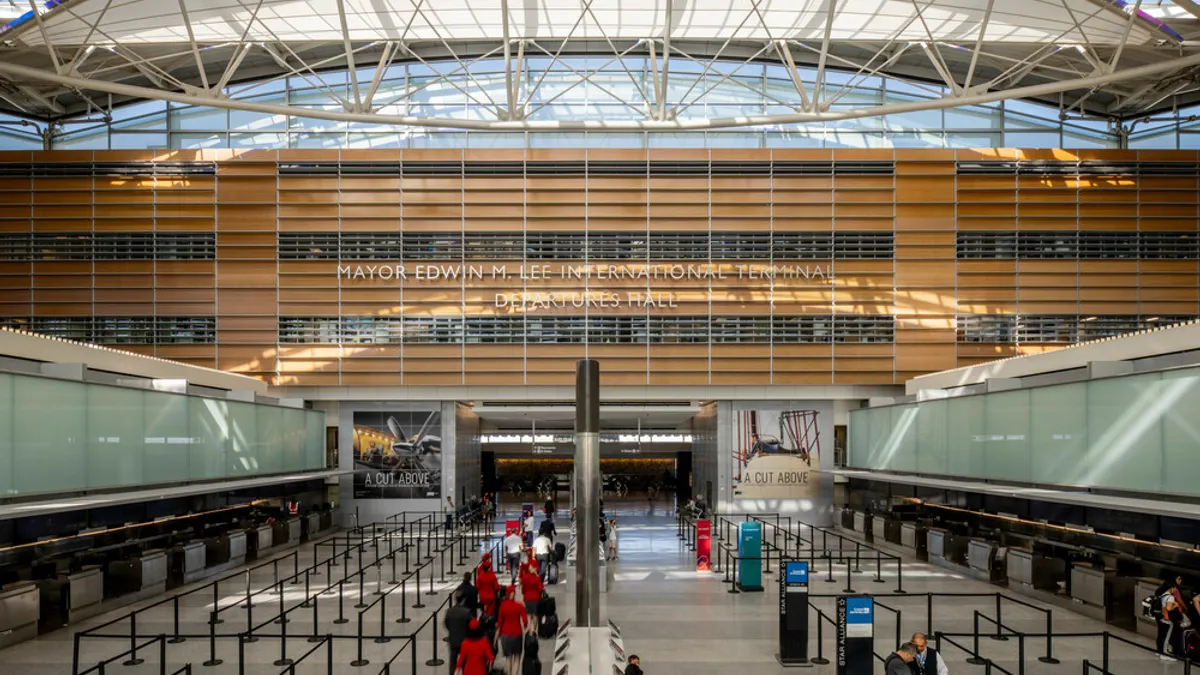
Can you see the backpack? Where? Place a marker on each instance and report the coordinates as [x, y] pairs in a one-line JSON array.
[[1152, 607]]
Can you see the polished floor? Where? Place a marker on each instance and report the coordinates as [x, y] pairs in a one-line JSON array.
[[679, 621]]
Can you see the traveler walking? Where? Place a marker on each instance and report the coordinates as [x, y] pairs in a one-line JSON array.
[[541, 553], [457, 622], [511, 626], [512, 548], [897, 662], [633, 666], [531, 593], [475, 656], [470, 595], [612, 539], [1170, 619], [488, 587]]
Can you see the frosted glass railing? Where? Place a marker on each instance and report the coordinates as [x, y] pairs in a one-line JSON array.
[[64, 435], [1137, 433]]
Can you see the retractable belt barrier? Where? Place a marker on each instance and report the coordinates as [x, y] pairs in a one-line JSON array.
[[387, 541]]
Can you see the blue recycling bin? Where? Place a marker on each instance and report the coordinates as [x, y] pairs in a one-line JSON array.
[[749, 571]]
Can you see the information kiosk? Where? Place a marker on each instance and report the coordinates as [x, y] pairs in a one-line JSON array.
[[749, 569], [855, 635], [793, 614]]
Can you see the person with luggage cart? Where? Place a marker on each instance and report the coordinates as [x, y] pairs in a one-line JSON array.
[[1170, 614]]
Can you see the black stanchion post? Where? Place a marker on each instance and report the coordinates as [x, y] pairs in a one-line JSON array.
[[378, 579], [900, 576], [975, 660], [1049, 656], [307, 591], [283, 659], [175, 620], [733, 584], [1104, 659], [212, 643], [999, 620], [878, 567], [403, 603], [1020, 654], [435, 661], [849, 573], [282, 614], [216, 618], [828, 561], [393, 580], [418, 604], [361, 575], [341, 603], [360, 661], [407, 566], [296, 566], [857, 568], [820, 659], [382, 638], [929, 613], [431, 591], [316, 618], [133, 657]]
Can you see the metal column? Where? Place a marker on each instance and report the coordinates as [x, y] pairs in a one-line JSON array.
[[587, 493]]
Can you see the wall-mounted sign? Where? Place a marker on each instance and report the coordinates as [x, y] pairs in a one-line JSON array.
[[398, 455]]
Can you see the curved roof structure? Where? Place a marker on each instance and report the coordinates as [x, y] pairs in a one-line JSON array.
[[1103, 57]]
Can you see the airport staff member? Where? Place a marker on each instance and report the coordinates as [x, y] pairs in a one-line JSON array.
[[927, 661]]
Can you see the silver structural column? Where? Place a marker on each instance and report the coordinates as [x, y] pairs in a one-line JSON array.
[[587, 493]]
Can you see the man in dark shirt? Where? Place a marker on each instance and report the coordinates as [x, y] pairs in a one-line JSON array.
[[470, 595], [457, 621], [633, 665], [897, 662]]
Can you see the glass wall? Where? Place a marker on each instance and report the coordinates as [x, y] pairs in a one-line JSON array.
[[66, 436], [554, 91], [1136, 433]]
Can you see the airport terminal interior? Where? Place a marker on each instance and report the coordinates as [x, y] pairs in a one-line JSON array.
[[769, 334]]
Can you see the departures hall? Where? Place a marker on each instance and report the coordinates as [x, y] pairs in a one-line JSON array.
[[599, 337]]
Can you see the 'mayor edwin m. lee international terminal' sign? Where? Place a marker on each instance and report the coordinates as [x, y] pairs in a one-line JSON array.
[[705, 273]]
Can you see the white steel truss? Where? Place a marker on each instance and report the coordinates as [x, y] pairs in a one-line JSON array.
[[1091, 55]]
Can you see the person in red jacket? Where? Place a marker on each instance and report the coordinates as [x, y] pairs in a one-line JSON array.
[[511, 627], [476, 655], [488, 586], [531, 592]]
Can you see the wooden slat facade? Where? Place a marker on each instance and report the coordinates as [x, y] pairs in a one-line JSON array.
[[924, 201]]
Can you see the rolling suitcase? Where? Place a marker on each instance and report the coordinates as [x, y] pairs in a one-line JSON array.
[[560, 552], [551, 574], [530, 664]]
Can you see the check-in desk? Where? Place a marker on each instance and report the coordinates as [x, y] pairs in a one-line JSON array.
[[986, 560], [258, 540], [944, 546], [1034, 571], [188, 562], [20, 607], [280, 533], [146, 573], [846, 518], [913, 537], [878, 528], [1144, 587], [862, 524], [328, 518], [295, 530], [1090, 590], [310, 526], [85, 592]]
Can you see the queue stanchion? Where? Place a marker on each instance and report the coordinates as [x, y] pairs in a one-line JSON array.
[[999, 620], [733, 585], [296, 566], [249, 607], [382, 638], [393, 580], [900, 576], [849, 579], [1049, 656], [341, 603], [435, 661], [283, 659], [378, 579], [975, 660], [878, 567], [407, 565], [418, 604], [216, 618], [175, 621], [360, 604], [403, 602], [430, 592], [857, 566], [360, 661], [212, 643], [133, 657], [316, 619], [820, 659], [282, 614]]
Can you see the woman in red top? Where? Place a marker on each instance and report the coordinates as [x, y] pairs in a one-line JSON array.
[[488, 586], [476, 654], [511, 626], [531, 592]]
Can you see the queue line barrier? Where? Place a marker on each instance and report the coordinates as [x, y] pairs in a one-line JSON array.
[[281, 618]]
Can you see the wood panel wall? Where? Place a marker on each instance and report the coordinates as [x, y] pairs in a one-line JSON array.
[[925, 203]]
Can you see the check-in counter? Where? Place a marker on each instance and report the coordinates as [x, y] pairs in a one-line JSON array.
[[85, 592], [188, 562], [862, 523], [913, 537], [237, 547], [985, 559], [945, 546], [258, 540], [1034, 570], [154, 571], [295, 530], [1090, 589], [311, 525], [280, 531], [146, 573], [20, 608], [878, 528], [1144, 587], [847, 519]]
